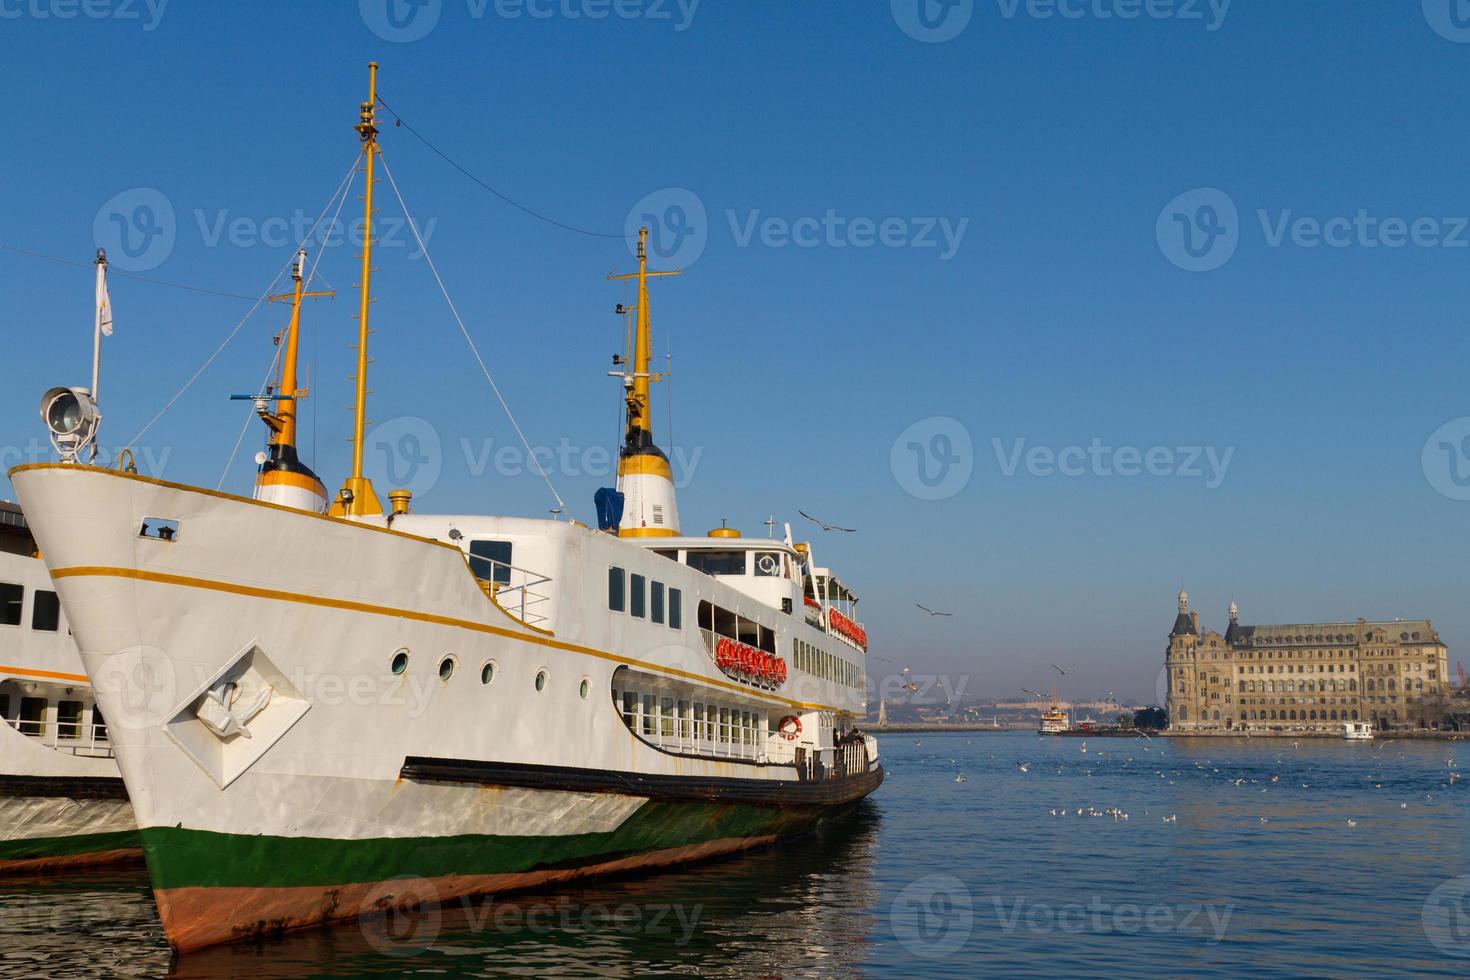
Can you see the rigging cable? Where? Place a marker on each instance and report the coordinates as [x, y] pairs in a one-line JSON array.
[[398, 121], [249, 313], [113, 270], [424, 248]]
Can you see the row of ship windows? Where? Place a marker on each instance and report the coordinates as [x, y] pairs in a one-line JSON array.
[[45, 607], [449, 665], [716, 621], [642, 599], [695, 725], [824, 664], [31, 719]]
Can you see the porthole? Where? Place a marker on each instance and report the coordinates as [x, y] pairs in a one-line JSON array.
[[446, 668], [400, 662], [487, 673], [540, 680], [586, 687]]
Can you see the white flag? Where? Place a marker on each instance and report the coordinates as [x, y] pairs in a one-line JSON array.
[[104, 304]]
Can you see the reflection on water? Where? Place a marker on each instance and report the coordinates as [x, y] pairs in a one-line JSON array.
[[1233, 856]]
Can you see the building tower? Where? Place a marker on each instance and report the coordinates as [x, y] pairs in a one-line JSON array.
[[1179, 668]]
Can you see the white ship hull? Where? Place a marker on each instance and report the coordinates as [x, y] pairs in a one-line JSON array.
[[347, 776], [62, 802]]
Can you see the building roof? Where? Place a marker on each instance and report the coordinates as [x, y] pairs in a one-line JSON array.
[[1324, 634], [1183, 625]]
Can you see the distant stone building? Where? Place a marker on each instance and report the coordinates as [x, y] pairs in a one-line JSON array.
[[1305, 676]]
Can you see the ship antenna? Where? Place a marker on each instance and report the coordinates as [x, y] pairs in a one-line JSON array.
[[356, 497], [644, 474]]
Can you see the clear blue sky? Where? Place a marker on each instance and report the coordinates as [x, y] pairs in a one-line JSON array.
[[1062, 317]]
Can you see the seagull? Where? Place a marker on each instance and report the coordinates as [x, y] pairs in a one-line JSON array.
[[1352, 822], [931, 611], [1172, 819], [1024, 766], [1059, 670], [960, 778], [823, 524]]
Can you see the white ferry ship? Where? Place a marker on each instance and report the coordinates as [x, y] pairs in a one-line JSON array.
[[62, 802], [355, 708]]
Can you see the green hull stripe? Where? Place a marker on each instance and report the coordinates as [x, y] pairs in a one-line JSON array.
[[179, 858], [51, 847]]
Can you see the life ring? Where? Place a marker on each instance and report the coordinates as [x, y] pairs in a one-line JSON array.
[[789, 736]]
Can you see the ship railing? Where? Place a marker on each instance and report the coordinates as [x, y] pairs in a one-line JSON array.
[[849, 758], [522, 593], [687, 744], [72, 737]]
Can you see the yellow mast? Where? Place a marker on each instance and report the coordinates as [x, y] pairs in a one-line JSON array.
[[357, 497], [282, 422], [644, 475], [640, 423]]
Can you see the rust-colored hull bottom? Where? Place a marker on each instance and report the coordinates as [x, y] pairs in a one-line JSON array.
[[194, 918], [97, 859]]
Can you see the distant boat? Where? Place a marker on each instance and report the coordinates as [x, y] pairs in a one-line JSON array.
[[1357, 731], [1055, 721]]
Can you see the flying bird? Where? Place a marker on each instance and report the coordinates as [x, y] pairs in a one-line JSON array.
[[931, 611], [1024, 766], [1059, 670], [823, 524]]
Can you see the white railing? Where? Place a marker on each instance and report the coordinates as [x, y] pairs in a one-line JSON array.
[[520, 592], [70, 737]]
